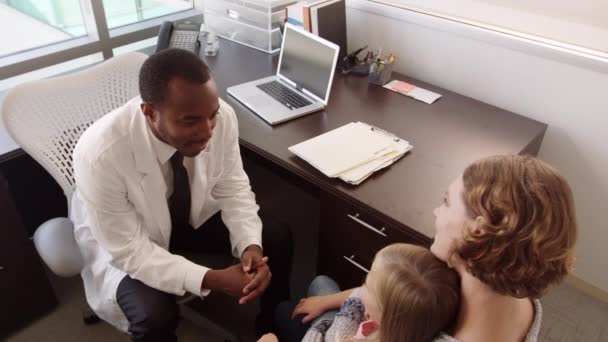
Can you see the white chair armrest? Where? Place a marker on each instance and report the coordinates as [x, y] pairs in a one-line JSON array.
[[54, 240]]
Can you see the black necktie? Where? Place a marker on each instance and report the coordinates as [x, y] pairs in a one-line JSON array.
[[179, 202]]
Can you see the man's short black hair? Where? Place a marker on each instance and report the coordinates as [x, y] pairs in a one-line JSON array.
[[166, 65]]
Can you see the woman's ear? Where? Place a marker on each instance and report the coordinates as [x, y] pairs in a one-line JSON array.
[[476, 228]]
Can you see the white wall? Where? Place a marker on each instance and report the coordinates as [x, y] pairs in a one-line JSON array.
[[571, 97], [582, 23]]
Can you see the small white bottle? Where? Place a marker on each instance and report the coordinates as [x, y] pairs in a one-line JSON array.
[[212, 43]]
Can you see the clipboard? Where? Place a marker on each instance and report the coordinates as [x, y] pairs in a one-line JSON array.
[[352, 152]]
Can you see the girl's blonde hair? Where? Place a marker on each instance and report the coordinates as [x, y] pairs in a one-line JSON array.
[[527, 214], [417, 294]]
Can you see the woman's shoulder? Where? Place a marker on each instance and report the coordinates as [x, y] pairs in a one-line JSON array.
[[532, 335]]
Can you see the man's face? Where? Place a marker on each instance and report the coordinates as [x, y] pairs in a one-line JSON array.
[[187, 118]]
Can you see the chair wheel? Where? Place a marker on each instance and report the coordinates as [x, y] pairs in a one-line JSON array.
[[89, 316]]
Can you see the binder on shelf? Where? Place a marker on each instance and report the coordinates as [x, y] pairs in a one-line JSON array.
[[352, 152], [306, 13], [328, 20]]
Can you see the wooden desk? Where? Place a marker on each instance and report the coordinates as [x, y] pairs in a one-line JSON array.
[[447, 136]]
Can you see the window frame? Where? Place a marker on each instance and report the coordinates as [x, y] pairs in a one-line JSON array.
[[98, 39]]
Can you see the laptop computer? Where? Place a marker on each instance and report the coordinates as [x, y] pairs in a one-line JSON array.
[[301, 84]]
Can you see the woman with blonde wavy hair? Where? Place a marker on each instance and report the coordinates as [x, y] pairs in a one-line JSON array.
[[508, 227]]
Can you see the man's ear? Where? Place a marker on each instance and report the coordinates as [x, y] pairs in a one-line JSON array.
[[148, 111]]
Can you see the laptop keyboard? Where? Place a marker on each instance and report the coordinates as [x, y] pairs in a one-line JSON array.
[[284, 95]]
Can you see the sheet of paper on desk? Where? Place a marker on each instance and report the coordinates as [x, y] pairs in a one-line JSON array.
[[410, 90], [343, 148], [357, 175]]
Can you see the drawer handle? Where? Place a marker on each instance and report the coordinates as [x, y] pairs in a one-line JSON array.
[[356, 263], [367, 225]]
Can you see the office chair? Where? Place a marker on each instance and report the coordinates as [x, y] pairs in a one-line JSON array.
[[46, 119]]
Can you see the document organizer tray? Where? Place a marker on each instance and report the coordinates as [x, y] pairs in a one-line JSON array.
[[254, 23]]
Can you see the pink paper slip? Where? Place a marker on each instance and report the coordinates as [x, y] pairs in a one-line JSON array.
[[403, 87], [411, 90]]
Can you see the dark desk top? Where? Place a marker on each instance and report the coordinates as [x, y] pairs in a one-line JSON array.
[[447, 135]]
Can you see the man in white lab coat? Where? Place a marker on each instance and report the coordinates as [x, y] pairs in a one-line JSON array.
[[146, 174]]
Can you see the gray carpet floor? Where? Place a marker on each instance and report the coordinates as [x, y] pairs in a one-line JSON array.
[[569, 316]]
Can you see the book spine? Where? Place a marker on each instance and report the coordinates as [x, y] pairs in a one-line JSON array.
[[306, 14]]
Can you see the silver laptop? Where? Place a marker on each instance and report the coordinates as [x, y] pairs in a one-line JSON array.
[[302, 83]]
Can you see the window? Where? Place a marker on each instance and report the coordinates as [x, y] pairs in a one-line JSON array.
[[27, 24], [40, 34], [51, 71], [124, 12], [143, 44], [580, 25]]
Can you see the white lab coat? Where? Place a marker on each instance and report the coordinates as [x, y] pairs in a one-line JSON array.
[[120, 213]]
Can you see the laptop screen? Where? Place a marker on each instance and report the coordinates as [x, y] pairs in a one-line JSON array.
[[308, 60]]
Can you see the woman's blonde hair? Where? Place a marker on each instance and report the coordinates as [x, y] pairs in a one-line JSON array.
[[526, 211], [417, 294]]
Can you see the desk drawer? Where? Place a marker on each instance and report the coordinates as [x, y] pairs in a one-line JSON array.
[[349, 270], [350, 235], [25, 292]]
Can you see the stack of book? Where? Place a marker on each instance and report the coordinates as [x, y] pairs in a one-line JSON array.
[[352, 152], [325, 18]]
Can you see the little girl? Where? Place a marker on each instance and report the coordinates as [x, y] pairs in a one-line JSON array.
[[409, 296]]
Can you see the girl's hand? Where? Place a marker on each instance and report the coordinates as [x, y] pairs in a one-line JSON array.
[[268, 338], [311, 308]]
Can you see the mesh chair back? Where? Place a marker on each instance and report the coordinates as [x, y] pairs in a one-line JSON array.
[[47, 117]]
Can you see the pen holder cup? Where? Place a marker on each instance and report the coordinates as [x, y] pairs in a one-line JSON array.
[[380, 72]]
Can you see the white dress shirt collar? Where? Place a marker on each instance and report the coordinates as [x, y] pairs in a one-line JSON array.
[[163, 151]]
